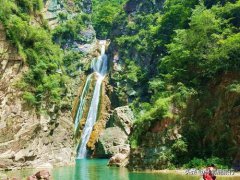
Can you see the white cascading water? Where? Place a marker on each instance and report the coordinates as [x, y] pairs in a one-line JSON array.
[[99, 67], [82, 102]]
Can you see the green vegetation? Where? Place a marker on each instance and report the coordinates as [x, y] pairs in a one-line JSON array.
[[169, 58], [45, 80], [172, 60], [104, 12], [70, 30], [199, 163]]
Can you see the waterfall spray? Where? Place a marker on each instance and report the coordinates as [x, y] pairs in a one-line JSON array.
[[99, 66]]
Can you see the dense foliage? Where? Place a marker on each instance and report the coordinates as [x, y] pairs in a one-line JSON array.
[[69, 30], [104, 12], [45, 79], [171, 53], [170, 56]]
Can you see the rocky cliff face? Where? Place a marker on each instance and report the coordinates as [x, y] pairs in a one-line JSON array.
[[113, 141], [216, 113], [59, 13], [207, 126], [131, 9], [154, 151], [28, 138], [125, 31], [56, 11]]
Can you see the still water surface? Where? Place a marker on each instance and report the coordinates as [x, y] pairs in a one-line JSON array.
[[97, 170]]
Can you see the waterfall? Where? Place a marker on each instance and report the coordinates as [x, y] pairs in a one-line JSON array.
[[99, 67], [82, 102]]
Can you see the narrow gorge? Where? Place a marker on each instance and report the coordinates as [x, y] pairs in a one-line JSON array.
[[143, 85]]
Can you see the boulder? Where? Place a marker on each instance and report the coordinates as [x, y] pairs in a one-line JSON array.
[[43, 174], [112, 141], [20, 155], [123, 118], [119, 160]]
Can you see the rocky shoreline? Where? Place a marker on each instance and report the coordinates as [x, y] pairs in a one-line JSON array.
[[40, 175]]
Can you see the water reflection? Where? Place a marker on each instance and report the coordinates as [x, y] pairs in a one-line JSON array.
[[97, 170]]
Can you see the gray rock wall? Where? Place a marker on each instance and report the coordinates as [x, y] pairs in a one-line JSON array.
[[28, 138], [54, 8], [113, 141]]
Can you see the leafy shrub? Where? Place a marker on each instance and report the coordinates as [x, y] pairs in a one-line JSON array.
[[196, 163], [201, 163], [104, 12], [29, 98], [159, 110], [70, 30], [179, 146], [218, 162]]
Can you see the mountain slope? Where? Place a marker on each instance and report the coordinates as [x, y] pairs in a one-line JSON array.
[[176, 64]]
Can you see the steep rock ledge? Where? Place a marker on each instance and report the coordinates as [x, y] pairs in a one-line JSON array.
[[210, 122], [113, 141], [28, 138]]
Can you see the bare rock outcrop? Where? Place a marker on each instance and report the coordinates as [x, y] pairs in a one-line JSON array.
[[27, 137], [43, 174], [113, 141], [120, 160], [123, 117]]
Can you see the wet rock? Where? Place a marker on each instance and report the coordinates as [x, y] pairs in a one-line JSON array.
[[44, 175], [119, 160], [114, 139], [32, 178]]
